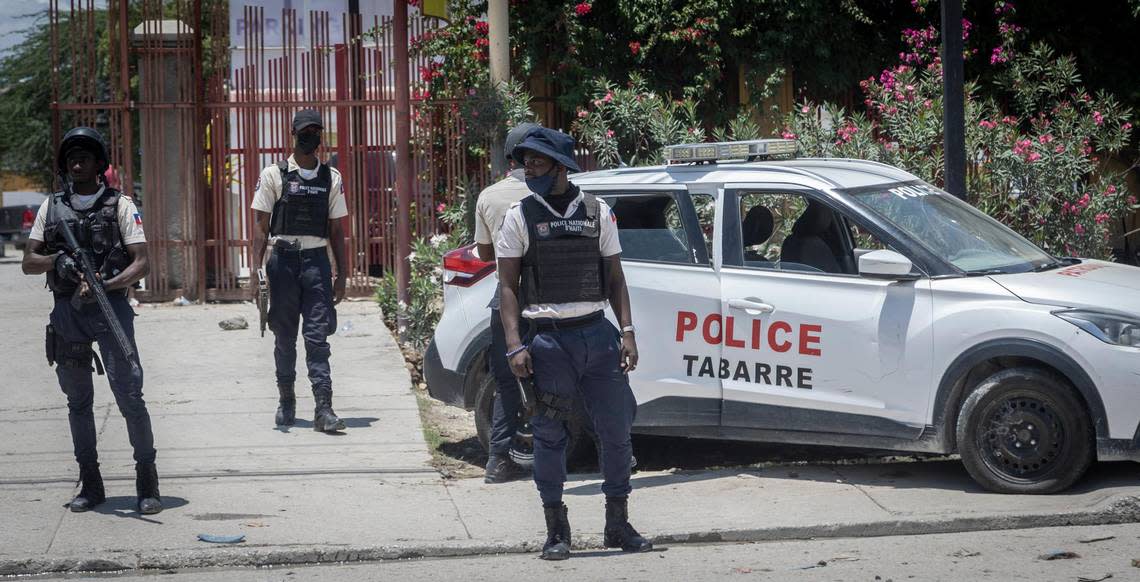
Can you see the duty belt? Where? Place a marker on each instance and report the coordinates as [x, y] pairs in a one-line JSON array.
[[289, 246], [554, 324]]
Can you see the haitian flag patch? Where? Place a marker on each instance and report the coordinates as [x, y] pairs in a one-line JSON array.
[[138, 219]]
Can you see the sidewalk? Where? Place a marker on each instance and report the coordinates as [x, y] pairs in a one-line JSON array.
[[300, 496]]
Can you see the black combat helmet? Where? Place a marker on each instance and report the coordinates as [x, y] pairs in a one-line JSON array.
[[84, 138], [516, 135]]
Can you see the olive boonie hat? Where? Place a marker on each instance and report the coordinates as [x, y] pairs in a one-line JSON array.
[[551, 143]]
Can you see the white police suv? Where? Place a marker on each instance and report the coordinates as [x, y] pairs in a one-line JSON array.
[[847, 303]]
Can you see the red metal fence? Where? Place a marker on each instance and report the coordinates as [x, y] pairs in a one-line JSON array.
[[209, 111]]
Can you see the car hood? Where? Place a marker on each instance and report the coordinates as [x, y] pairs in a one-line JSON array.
[[1090, 284]]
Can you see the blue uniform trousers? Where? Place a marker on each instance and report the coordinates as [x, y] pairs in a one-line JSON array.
[[75, 331], [301, 297], [583, 363], [505, 418]]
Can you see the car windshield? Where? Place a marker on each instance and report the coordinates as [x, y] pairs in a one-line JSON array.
[[952, 229]]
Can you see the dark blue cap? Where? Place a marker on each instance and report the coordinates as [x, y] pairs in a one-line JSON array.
[[305, 118], [548, 142]]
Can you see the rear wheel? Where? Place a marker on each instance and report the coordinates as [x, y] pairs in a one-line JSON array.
[[1024, 430], [579, 449]]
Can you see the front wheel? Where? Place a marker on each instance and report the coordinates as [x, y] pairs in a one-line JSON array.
[[1024, 430]]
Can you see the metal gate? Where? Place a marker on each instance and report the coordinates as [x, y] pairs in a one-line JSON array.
[[195, 103]]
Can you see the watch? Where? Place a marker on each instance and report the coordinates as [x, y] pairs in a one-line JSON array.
[[628, 329]]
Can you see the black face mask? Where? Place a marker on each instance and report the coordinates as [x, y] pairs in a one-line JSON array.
[[308, 142]]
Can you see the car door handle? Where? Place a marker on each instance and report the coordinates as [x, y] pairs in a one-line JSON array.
[[751, 306]]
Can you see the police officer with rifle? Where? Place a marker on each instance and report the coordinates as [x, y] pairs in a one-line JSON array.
[[559, 267], [89, 240]]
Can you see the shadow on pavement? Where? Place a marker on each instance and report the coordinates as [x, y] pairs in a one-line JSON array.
[[127, 507], [468, 450], [700, 460], [355, 422], [613, 553]]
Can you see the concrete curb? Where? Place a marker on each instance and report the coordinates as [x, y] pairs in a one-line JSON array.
[[1117, 511]]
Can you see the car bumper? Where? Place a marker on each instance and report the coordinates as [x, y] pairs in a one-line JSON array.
[[1119, 449], [443, 384]]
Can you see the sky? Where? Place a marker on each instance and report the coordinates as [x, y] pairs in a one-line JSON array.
[[13, 20]]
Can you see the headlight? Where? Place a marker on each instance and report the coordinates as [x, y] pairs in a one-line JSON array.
[[1111, 329]]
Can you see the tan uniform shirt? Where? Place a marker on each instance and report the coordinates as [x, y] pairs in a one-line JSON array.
[[130, 222], [494, 200], [268, 192]]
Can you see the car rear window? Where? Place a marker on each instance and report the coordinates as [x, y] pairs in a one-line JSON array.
[[651, 228]]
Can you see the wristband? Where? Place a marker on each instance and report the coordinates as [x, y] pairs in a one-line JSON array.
[[516, 351], [628, 329]]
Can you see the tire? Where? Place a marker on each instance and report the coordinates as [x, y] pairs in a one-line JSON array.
[[1025, 431], [579, 448]]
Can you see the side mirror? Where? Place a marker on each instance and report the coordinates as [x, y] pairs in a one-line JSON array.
[[886, 264]]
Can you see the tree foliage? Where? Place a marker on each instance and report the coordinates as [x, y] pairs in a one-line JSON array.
[[698, 49], [25, 103]]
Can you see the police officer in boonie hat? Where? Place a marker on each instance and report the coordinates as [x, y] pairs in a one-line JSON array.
[[560, 265]]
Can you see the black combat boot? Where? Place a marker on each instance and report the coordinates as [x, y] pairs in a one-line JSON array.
[[146, 485], [557, 546], [324, 419], [286, 405], [619, 534], [91, 491], [501, 469]]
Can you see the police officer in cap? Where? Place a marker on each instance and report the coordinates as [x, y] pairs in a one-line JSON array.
[[107, 224], [560, 265], [299, 206], [490, 210]]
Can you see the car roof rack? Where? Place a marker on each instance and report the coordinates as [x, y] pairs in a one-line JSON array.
[[712, 152]]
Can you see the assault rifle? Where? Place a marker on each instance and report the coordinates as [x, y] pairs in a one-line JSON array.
[[262, 299], [87, 266]]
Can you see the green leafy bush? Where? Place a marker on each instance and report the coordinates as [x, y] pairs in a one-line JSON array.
[[414, 322], [630, 125]]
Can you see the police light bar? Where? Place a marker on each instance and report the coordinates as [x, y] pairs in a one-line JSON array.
[[729, 150]]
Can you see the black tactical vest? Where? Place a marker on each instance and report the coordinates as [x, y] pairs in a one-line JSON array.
[[303, 208], [563, 261], [96, 229]]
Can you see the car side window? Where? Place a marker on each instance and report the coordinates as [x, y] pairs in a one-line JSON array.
[[864, 241], [789, 232], [705, 206], [651, 227]]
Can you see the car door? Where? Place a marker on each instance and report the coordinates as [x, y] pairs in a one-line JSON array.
[[668, 271], [808, 345]]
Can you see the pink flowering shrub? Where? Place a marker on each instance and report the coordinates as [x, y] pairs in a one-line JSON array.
[[1033, 163], [631, 124]]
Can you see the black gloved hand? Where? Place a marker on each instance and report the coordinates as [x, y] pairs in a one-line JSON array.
[[66, 268]]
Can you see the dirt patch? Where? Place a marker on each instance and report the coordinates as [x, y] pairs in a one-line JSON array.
[[450, 434]]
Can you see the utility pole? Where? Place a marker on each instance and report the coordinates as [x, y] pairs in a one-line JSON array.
[[498, 34], [404, 166], [953, 99]]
